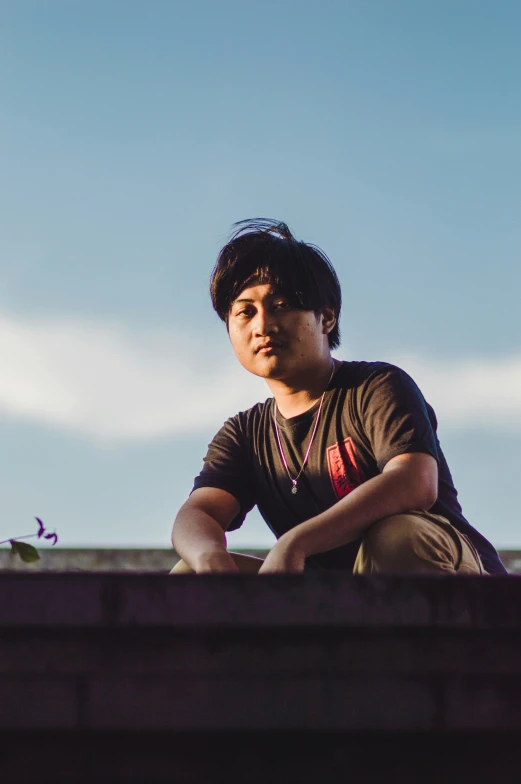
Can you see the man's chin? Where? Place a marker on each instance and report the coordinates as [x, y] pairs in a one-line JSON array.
[[270, 367]]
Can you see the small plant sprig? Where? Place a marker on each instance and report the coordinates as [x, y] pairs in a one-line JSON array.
[[27, 552]]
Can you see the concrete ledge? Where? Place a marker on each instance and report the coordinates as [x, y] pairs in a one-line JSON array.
[[156, 560]]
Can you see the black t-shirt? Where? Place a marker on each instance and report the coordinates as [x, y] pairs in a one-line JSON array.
[[372, 411]]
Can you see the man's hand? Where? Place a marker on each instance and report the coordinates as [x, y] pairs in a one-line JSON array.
[[284, 556], [199, 529]]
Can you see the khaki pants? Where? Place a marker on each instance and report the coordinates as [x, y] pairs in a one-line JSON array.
[[416, 543], [411, 543]]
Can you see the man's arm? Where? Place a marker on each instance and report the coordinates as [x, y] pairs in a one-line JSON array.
[[198, 534], [407, 482]]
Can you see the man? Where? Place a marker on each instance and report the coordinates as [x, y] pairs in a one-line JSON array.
[[343, 461]]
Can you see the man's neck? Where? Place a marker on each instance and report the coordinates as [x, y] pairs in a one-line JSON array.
[[299, 393]]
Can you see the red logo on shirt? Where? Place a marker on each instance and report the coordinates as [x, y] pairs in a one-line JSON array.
[[343, 471]]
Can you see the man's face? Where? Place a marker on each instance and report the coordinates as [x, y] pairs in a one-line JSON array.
[[270, 338]]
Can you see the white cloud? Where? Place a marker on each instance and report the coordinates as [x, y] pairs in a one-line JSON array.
[[113, 385], [476, 393]]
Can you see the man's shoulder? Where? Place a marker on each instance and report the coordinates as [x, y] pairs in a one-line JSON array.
[[355, 373]]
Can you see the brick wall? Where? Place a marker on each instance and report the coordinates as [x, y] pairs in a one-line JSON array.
[[237, 670]]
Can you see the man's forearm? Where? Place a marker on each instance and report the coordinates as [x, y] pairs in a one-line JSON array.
[[200, 541], [382, 496]]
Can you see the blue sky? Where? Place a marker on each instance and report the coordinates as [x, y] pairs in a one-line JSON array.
[[132, 136]]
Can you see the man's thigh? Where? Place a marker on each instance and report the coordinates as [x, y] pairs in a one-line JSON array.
[[416, 542], [247, 564]]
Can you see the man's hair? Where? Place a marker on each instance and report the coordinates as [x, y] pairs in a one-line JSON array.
[[265, 251]]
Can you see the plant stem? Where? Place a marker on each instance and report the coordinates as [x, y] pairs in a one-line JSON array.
[[15, 538]]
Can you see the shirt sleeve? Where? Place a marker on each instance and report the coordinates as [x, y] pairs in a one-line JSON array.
[[395, 416], [227, 466]]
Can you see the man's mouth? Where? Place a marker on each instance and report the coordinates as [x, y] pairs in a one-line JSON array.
[[267, 348]]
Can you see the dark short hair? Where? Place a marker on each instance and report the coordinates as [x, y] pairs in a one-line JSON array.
[[265, 251]]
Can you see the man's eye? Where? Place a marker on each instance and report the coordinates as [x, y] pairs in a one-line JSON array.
[[282, 304]]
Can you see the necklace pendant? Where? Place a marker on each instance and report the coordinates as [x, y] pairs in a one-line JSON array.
[[294, 489]]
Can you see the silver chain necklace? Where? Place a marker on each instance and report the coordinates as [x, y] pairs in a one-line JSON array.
[[295, 479]]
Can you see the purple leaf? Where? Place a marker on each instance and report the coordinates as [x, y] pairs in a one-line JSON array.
[[41, 527], [52, 536]]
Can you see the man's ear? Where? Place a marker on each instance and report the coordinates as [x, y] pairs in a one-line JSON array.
[[328, 320]]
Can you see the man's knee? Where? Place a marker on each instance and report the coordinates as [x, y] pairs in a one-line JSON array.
[[407, 544]]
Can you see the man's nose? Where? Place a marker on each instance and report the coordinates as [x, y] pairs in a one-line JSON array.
[[264, 323]]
